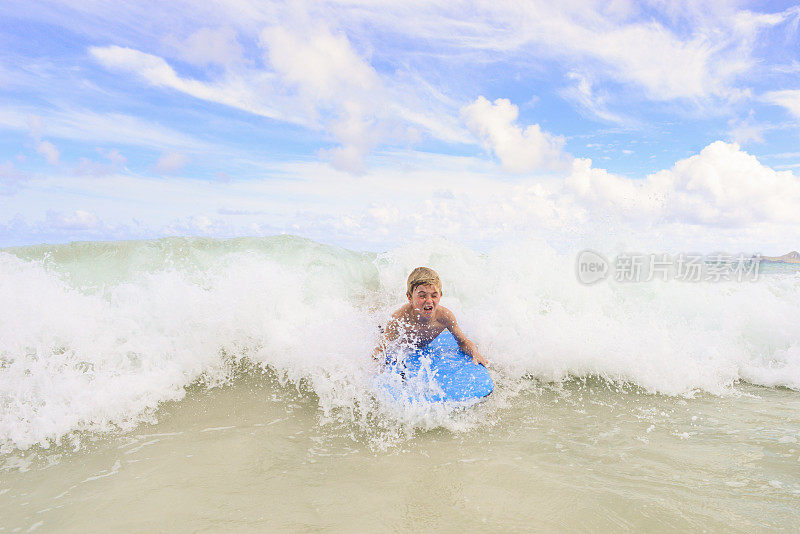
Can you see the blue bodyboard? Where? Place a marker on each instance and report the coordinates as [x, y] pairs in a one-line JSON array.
[[438, 372]]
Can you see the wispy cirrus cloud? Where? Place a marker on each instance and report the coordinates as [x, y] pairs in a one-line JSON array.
[[96, 127], [692, 52], [786, 98], [11, 178], [112, 162], [209, 46], [234, 91], [583, 93], [171, 162]]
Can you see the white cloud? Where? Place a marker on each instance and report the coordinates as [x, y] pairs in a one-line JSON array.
[[518, 150], [724, 185], [437, 122], [234, 91], [790, 68], [746, 130], [207, 46], [104, 128], [587, 98], [113, 156], [334, 82], [318, 80], [35, 128], [698, 52], [321, 75], [789, 99], [77, 220], [701, 57], [652, 57], [49, 151], [721, 197], [329, 77], [11, 178], [321, 65], [87, 166], [721, 186], [601, 192], [171, 162]]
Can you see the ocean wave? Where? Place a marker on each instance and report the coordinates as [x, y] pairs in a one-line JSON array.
[[95, 336]]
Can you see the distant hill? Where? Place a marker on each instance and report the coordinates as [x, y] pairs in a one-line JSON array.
[[792, 257]]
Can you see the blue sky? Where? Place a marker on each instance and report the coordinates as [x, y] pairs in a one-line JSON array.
[[369, 123]]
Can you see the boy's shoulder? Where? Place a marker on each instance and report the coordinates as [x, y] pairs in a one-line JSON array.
[[446, 314], [402, 312]]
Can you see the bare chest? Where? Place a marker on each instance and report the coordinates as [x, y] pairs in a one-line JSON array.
[[421, 335]]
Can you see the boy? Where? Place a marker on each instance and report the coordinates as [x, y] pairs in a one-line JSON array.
[[422, 319]]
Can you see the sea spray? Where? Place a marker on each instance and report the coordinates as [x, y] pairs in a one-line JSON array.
[[95, 336]]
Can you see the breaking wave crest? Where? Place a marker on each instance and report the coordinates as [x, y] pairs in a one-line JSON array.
[[95, 336]]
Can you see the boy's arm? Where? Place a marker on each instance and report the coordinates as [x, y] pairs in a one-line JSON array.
[[464, 344]]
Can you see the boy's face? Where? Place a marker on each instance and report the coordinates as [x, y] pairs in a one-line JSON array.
[[425, 299]]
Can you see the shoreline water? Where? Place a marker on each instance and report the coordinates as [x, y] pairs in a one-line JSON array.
[[255, 455]]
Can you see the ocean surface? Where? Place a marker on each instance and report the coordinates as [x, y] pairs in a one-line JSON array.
[[207, 385]]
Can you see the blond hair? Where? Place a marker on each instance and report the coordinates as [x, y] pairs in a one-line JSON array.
[[422, 276]]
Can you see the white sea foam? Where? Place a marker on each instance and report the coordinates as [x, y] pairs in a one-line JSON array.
[[95, 336]]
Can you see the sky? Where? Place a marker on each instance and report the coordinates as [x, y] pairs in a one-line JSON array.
[[665, 125]]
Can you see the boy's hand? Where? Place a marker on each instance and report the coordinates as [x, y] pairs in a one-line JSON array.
[[470, 348], [478, 359]]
